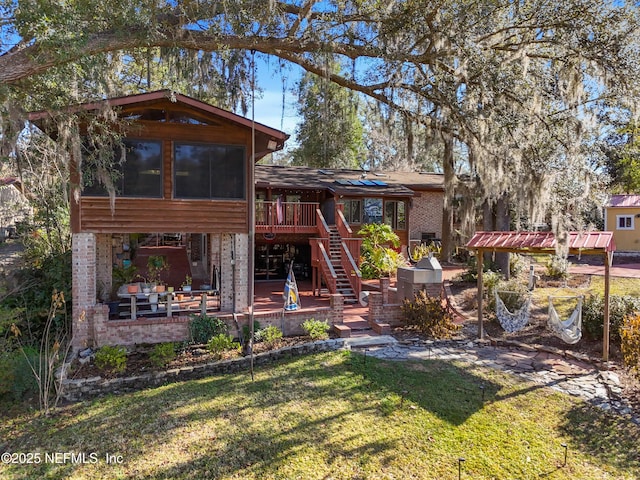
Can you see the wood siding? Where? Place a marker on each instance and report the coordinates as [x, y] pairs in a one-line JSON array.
[[151, 215], [137, 215]]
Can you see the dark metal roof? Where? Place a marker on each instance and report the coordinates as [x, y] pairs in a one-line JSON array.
[[542, 242], [347, 181]]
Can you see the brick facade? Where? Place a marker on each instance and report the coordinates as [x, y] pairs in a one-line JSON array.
[[83, 289], [234, 278], [426, 214]]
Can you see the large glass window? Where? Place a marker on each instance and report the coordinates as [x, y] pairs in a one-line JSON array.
[[372, 210], [394, 215], [209, 171], [352, 211], [139, 174]]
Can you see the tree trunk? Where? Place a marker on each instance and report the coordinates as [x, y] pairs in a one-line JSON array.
[[503, 222], [488, 225], [447, 210]]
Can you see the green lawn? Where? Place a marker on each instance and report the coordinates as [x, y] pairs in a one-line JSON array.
[[333, 416]]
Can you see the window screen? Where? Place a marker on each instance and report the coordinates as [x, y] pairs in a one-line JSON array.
[[209, 171], [140, 175]]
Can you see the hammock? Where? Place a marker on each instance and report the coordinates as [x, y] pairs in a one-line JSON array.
[[512, 322], [570, 330]]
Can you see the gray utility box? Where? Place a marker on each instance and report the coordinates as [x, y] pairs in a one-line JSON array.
[[427, 274]]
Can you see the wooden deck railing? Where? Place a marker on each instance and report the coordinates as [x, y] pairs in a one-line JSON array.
[[286, 217]]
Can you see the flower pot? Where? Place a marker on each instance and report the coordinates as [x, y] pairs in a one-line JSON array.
[[154, 307], [133, 288], [153, 298], [180, 297], [170, 289], [186, 288], [146, 289], [160, 288]]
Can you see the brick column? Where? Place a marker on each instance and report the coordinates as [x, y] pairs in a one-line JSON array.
[[242, 272], [100, 316], [384, 289], [104, 265], [375, 308], [83, 290], [234, 273], [336, 302]]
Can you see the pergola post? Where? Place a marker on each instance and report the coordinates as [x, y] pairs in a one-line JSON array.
[[480, 260], [605, 333]]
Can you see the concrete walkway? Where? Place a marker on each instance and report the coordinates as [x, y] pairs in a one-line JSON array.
[[568, 375]]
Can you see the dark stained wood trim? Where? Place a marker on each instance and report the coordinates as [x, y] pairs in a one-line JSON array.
[[138, 215]]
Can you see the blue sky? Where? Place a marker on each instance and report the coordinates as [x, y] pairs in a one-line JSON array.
[[269, 104]]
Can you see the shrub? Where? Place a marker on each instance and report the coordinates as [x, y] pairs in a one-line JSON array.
[[113, 359], [630, 343], [428, 315], [316, 329], [270, 335], [16, 376], [221, 343], [517, 264], [162, 354], [471, 273], [424, 250], [246, 332], [557, 267], [378, 259], [203, 327], [619, 309]]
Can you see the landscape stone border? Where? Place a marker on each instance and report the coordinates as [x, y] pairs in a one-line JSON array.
[[74, 390]]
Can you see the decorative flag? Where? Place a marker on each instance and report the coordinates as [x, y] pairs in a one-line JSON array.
[[290, 293]]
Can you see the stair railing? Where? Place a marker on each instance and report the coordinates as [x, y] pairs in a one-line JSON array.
[[341, 223], [323, 228], [351, 268], [321, 261]]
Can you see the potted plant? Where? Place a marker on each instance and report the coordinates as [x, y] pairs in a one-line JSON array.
[[123, 276], [186, 285], [156, 264]]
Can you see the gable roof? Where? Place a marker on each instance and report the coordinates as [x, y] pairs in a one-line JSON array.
[[347, 181], [159, 103], [624, 201]]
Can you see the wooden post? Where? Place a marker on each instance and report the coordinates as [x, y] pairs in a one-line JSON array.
[[605, 334], [203, 304], [169, 304], [133, 306], [480, 260]]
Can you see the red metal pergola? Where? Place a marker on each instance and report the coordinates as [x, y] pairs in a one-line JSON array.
[[577, 243]]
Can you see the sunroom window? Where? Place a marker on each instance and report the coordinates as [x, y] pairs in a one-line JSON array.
[[139, 175], [209, 171]]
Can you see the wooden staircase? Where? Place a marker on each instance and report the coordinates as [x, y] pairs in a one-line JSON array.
[[343, 285]]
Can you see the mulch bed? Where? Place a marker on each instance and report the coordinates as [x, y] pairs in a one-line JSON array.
[[138, 361]]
